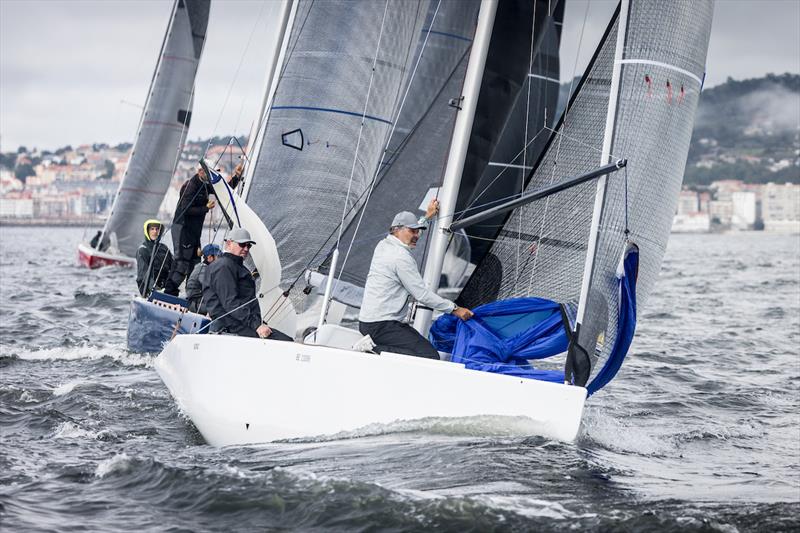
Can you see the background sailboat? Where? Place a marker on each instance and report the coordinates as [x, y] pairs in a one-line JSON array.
[[162, 131]]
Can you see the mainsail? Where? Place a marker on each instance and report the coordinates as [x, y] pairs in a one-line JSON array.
[[335, 105], [637, 100], [418, 148], [162, 128]]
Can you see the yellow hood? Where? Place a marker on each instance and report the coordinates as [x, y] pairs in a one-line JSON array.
[[150, 222]]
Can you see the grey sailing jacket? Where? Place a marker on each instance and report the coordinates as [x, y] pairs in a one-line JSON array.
[[393, 276]]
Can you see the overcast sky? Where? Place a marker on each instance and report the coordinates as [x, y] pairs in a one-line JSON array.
[[77, 71]]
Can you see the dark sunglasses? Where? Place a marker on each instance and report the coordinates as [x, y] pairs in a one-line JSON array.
[[245, 244]]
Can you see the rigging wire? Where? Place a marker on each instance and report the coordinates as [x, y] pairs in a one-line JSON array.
[[363, 119], [527, 121]]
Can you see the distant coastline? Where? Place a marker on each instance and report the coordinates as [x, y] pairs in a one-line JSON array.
[[97, 223], [52, 222]]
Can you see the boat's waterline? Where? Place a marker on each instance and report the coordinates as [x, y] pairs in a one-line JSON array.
[[246, 391]]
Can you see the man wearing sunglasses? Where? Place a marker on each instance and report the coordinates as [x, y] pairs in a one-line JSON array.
[[230, 292], [393, 277]]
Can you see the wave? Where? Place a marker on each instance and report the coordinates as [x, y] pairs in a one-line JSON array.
[[71, 430], [65, 388], [119, 464], [615, 433], [88, 352]]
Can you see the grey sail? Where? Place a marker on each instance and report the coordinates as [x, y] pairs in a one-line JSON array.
[[418, 148], [542, 247], [162, 128], [318, 156]]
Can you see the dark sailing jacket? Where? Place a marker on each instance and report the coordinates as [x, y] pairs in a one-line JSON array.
[[161, 264], [194, 287], [191, 210], [229, 285]]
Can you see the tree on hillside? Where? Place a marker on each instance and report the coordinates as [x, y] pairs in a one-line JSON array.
[[109, 170], [8, 160], [23, 171]]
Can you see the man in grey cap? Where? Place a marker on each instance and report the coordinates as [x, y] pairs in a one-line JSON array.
[[230, 294], [393, 276]]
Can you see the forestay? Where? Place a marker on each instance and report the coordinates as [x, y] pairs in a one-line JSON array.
[[542, 247]]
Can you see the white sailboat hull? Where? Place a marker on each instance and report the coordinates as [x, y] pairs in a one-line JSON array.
[[245, 391]]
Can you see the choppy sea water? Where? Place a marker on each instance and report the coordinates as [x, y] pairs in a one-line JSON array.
[[699, 432]]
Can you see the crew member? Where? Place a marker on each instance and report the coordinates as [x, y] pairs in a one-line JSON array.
[[153, 259], [393, 276], [187, 227], [198, 278], [230, 294]]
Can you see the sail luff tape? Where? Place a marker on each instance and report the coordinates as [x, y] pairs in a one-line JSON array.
[[660, 64]]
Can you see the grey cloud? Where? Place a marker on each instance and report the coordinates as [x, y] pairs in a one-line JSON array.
[[73, 61]]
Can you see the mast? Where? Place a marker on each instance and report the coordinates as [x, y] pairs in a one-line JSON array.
[[448, 193], [286, 16], [608, 137]]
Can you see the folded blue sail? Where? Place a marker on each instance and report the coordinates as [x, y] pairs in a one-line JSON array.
[[626, 324], [503, 336]]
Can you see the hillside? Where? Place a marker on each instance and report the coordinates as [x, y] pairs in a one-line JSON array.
[[747, 130]]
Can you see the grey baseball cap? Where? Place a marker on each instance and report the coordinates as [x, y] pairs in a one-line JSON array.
[[240, 235], [408, 220]]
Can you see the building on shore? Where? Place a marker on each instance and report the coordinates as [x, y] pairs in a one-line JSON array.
[[781, 207], [744, 210], [691, 215], [17, 204], [735, 205]]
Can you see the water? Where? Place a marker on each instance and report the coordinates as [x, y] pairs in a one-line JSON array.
[[699, 432]]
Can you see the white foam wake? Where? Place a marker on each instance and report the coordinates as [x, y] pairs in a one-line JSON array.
[[88, 352], [120, 463]]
